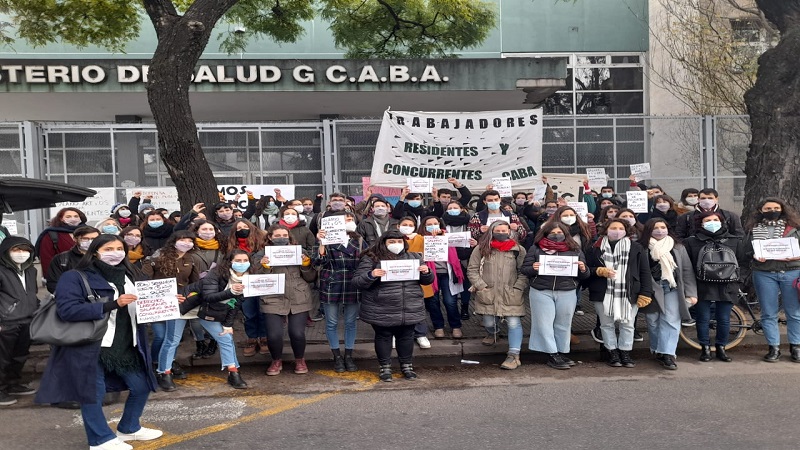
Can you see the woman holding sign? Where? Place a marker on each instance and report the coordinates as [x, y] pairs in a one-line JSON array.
[[497, 286], [774, 219], [449, 281], [393, 307], [120, 361], [554, 265], [291, 307]]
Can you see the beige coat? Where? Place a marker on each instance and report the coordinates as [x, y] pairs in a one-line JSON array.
[[297, 294], [498, 285]]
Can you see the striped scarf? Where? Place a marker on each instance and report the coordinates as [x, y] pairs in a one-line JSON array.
[[761, 231], [615, 303]]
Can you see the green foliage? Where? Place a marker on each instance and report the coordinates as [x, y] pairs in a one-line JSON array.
[[280, 21], [105, 23]]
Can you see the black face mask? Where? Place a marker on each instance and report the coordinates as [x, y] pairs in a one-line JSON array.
[[243, 233], [280, 241], [560, 237], [501, 237], [772, 215]]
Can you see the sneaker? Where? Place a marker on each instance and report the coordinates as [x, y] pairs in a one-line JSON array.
[[408, 371], [566, 358], [556, 361], [489, 340], [19, 389], [512, 362], [114, 444], [300, 366], [457, 334], [423, 342], [317, 317], [579, 311], [438, 333], [668, 361], [275, 368], [637, 337], [385, 373], [613, 358], [597, 335], [144, 434], [688, 323], [625, 359], [309, 322], [6, 400]]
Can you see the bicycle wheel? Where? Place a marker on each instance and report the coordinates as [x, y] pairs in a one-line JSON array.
[[737, 332]]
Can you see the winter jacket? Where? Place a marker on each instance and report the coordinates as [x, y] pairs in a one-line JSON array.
[[62, 262], [438, 209], [217, 296], [718, 292], [337, 267], [684, 278], [480, 219], [372, 231], [17, 302], [686, 224], [391, 303], [497, 282], [550, 282], [772, 265], [297, 295], [46, 249], [303, 236], [189, 268], [638, 278]]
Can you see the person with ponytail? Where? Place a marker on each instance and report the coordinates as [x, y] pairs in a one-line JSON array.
[[553, 298], [675, 289], [773, 218], [497, 286]]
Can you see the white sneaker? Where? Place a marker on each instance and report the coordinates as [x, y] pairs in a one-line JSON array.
[[144, 434], [393, 343], [423, 342], [114, 444]]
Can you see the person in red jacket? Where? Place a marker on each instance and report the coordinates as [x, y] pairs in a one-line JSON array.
[[57, 238]]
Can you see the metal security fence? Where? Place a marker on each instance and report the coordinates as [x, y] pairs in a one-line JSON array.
[[18, 158]]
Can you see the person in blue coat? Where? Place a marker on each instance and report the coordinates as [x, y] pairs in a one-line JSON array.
[[120, 361]]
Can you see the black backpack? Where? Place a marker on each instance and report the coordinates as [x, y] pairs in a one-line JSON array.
[[717, 263]]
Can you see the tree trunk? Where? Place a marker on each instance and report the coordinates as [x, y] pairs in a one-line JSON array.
[[181, 41], [773, 162]]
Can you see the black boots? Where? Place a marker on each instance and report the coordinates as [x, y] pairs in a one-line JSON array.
[[165, 382], [200, 349], [625, 359], [385, 372], [177, 372], [338, 361], [794, 349], [774, 354], [349, 363], [613, 358], [721, 355], [236, 381], [705, 353], [408, 371]]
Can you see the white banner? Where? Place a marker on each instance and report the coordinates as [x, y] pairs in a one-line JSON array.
[[167, 196], [470, 147], [96, 208]]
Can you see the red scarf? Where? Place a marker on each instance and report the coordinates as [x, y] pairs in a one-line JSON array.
[[243, 244], [124, 221], [547, 244], [287, 225], [504, 246]]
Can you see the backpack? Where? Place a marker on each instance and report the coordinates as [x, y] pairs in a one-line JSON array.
[[717, 263]]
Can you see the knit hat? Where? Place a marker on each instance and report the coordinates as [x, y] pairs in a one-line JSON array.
[[117, 207], [377, 197], [144, 206]]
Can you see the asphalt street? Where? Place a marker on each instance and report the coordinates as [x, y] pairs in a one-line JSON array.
[[743, 404]]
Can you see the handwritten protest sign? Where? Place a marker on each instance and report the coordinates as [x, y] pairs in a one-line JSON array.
[[581, 208], [597, 178], [284, 255], [637, 201], [641, 171], [335, 232], [157, 300], [435, 248], [539, 191], [503, 186], [11, 226], [269, 284], [400, 269]]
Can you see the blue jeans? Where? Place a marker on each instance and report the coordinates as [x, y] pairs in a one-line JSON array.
[[94, 421], [551, 320], [255, 324], [198, 333], [626, 328], [332, 324], [450, 305], [159, 331], [227, 349], [514, 324], [664, 328], [768, 285], [723, 315], [465, 295]]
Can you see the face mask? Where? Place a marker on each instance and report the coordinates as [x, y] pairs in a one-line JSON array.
[[270, 204], [280, 241], [73, 221], [454, 212], [691, 201], [772, 215], [84, 245], [337, 205], [308, 209], [569, 220], [290, 219], [501, 237], [414, 203], [712, 226], [406, 230], [184, 246], [494, 206], [445, 202], [207, 235], [431, 228], [124, 213], [520, 201], [350, 226], [109, 229], [225, 215], [611, 215], [299, 209], [607, 194], [155, 224], [112, 258], [132, 241], [395, 248], [380, 211], [631, 221], [243, 233], [663, 207], [615, 235], [707, 203], [550, 211], [557, 237], [659, 233], [240, 267], [19, 257]]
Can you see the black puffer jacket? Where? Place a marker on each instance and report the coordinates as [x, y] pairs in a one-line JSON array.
[[550, 282], [638, 278], [62, 262], [216, 297], [17, 302], [393, 303]]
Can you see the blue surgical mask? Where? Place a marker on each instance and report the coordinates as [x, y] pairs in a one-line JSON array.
[[110, 229], [240, 267], [155, 224], [494, 206], [454, 212], [414, 203], [431, 228], [607, 194], [712, 226]]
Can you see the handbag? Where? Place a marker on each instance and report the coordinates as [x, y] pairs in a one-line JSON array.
[[48, 328]]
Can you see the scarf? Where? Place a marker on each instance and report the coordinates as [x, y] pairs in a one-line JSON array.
[[761, 231], [615, 303], [243, 245], [270, 210], [551, 247], [381, 224], [455, 221], [504, 246], [135, 254], [124, 220], [162, 232], [289, 226], [121, 357], [233, 278], [211, 244], [661, 251]]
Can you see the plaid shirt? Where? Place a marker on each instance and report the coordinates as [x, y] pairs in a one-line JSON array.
[[337, 268]]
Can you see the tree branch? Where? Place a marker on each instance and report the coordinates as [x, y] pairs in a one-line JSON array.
[[161, 13]]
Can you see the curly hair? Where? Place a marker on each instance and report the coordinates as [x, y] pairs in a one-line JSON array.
[[165, 260], [789, 214]]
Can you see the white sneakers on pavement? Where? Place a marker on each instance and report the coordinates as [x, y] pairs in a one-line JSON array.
[[114, 444], [144, 434], [423, 342]]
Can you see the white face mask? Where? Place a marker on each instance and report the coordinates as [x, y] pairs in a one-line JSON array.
[[298, 208], [20, 257], [125, 213], [406, 230], [350, 226], [395, 248], [569, 220], [290, 219], [691, 201]]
